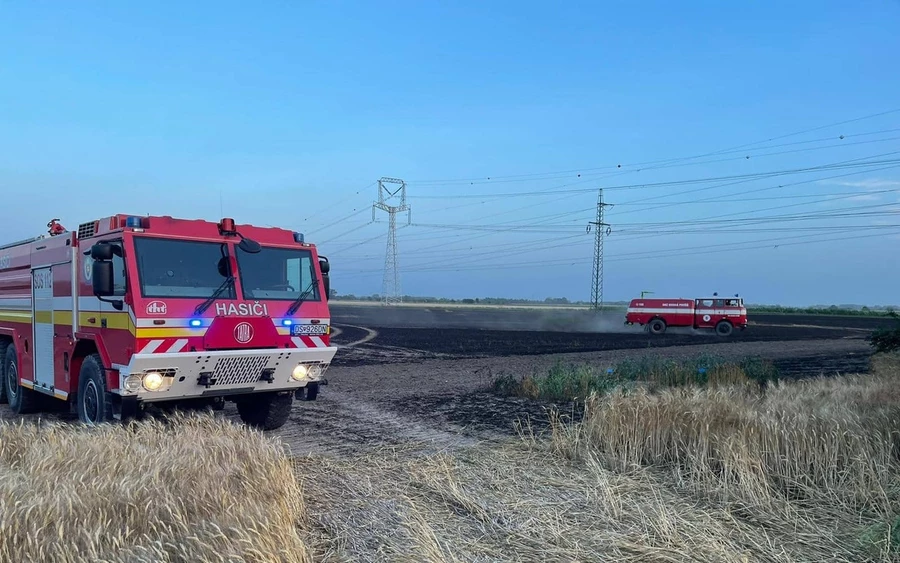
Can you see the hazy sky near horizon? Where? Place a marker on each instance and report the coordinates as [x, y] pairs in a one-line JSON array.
[[745, 148]]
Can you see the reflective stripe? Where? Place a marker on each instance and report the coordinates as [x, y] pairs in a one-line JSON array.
[[663, 311], [151, 347]]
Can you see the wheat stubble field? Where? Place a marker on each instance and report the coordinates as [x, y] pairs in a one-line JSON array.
[[412, 457]]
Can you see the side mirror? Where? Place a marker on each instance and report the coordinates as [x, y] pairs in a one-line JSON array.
[[324, 265], [102, 251], [327, 281], [102, 278], [249, 246]]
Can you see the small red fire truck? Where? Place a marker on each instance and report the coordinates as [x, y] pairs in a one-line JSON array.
[[129, 312], [720, 314]]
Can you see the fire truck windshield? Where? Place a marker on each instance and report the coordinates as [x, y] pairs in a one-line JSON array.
[[278, 273], [179, 268]]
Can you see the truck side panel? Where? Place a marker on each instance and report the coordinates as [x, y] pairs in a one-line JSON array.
[[15, 303], [51, 263]]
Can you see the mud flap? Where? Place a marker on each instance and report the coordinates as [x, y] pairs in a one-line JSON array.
[[125, 407], [300, 394]]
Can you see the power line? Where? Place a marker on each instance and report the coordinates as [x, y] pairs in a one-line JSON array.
[[580, 262], [749, 176], [663, 161]]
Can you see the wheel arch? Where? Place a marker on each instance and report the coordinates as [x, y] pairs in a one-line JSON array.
[[84, 348]]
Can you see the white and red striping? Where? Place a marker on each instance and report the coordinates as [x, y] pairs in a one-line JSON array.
[[309, 342], [173, 345], [162, 345]]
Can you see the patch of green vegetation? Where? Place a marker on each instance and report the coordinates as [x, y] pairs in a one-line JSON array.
[[883, 538], [833, 310], [575, 382], [886, 339]]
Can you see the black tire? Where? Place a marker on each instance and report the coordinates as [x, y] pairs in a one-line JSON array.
[[21, 400], [93, 402], [266, 411], [3, 346], [312, 391], [657, 326], [724, 328]]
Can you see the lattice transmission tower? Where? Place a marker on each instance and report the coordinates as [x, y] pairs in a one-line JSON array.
[[390, 289], [603, 229]]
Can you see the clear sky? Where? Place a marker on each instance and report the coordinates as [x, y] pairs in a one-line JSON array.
[[287, 113]]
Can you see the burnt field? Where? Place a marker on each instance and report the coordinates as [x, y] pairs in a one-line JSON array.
[[412, 334], [557, 319]]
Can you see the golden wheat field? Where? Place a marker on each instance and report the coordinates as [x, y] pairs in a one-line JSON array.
[[800, 471]]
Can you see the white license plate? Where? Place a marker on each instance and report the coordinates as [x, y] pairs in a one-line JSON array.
[[309, 330]]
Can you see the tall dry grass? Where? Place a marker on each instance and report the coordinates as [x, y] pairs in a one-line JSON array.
[[825, 448], [196, 490]]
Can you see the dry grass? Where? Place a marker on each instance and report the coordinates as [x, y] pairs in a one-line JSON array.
[[511, 504], [802, 471], [200, 490]]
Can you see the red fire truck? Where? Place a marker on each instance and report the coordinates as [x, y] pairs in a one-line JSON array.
[[133, 312], [720, 314]]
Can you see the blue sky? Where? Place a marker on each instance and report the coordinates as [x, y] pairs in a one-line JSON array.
[[287, 113]]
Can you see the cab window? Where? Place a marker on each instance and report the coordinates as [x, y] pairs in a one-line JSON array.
[[119, 275]]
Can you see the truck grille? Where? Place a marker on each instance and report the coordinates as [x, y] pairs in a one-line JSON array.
[[238, 370]]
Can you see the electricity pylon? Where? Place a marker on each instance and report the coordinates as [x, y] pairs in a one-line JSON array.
[[597, 273], [390, 290]]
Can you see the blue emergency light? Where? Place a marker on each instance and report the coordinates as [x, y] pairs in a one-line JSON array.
[[298, 237], [133, 222], [287, 322], [196, 322]]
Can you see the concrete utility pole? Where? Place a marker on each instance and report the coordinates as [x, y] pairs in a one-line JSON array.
[[597, 274], [390, 291]]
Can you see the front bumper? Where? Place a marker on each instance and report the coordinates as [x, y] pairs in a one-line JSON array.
[[223, 372]]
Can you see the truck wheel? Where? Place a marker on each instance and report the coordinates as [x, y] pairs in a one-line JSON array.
[[93, 402], [3, 345], [312, 391], [266, 411], [657, 326], [21, 400], [724, 328]]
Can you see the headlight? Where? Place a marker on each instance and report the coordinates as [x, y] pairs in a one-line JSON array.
[[300, 372], [133, 382], [153, 381]]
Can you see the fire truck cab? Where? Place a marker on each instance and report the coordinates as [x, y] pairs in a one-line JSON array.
[[721, 314], [129, 312]]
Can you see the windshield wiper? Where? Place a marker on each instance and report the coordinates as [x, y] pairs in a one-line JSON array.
[[303, 296], [209, 300]]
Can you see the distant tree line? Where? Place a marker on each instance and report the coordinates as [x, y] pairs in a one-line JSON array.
[[846, 310], [465, 301]]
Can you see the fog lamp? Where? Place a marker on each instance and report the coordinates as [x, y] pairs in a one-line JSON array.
[[153, 381]]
